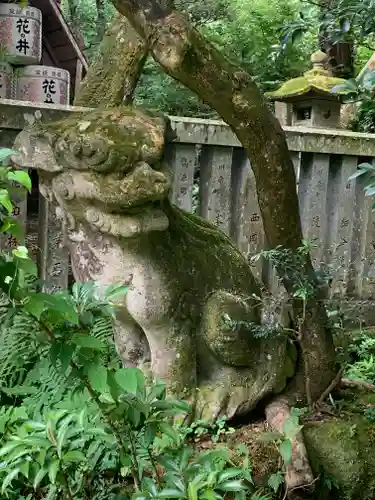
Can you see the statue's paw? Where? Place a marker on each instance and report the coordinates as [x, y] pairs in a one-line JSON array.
[[214, 403], [211, 403]]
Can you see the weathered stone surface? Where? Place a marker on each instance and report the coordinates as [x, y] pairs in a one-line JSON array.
[[192, 314], [341, 451], [15, 115]]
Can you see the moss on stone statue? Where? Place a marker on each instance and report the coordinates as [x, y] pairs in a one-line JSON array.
[[188, 273], [123, 137], [207, 277]]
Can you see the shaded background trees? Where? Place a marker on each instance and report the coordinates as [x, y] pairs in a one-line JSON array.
[[247, 32], [272, 40]]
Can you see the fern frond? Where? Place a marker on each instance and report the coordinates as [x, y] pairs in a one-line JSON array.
[[20, 344]]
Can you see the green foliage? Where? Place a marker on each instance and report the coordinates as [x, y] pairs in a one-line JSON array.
[[364, 120], [360, 358], [340, 21], [13, 184], [200, 428], [284, 442], [366, 171], [291, 263], [82, 16], [247, 33]]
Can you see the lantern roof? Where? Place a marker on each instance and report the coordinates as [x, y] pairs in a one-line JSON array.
[[317, 82]]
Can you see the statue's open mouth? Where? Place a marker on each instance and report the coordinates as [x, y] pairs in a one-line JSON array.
[[131, 223], [139, 208]]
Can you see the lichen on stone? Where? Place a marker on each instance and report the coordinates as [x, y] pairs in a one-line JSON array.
[[109, 180]]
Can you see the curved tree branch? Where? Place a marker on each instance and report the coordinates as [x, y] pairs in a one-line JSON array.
[[189, 58]]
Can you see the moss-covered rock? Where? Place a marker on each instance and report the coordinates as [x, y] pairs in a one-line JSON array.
[[342, 453]]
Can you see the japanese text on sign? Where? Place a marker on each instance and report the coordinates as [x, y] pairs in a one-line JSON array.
[[49, 89], [23, 29]]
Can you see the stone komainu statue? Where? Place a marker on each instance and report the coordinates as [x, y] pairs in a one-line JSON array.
[[192, 314]]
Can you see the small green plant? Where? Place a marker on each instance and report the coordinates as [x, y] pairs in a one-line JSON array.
[[366, 171], [284, 443], [369, 413], [360, 358], [12, 185], [202, 428]]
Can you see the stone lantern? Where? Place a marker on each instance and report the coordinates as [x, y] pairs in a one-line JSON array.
[[309, 100]]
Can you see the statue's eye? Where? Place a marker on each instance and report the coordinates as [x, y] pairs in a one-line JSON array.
[[76, 149], [88, 150]]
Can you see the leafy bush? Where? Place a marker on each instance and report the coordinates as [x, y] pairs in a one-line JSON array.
[[361, 358]]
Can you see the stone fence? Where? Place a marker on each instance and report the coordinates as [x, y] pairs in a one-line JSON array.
[[213, 177]]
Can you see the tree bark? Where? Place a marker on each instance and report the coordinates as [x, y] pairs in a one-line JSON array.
[[186, 56], [341, 59], [113, 77], [100, 20]]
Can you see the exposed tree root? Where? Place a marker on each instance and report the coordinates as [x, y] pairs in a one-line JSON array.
[[298, 474], [335, 382], [357, 384]]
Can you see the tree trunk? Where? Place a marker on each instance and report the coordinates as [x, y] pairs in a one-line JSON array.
[[100, 20], [340, 53], [189, 58], [113, 76]]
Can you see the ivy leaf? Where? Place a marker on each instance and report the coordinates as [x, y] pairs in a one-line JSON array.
[[275, 481], [286, 450], [21, 252], [39, 302], [5, 200], [35, 305], [83, 340], [21, 177], [97, 376], [63, 305], [11, 226], [127, 379], [28, 267]]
